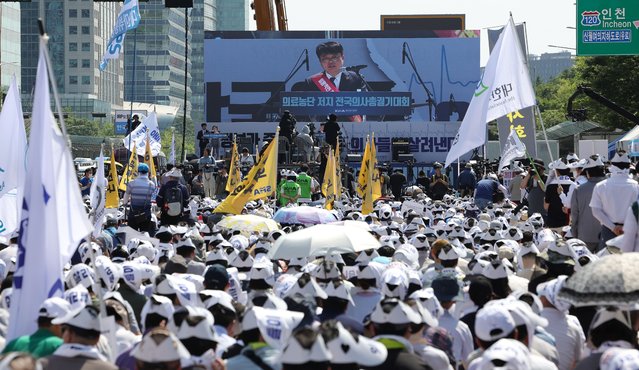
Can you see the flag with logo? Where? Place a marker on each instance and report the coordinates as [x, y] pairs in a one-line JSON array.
[[329, 185], [235, 175], [513, 148], [128, 19], [112, 195], [137, 137], [172, 155], [367, 186], [98, 196], [148, 159], [504, 88], [130, 171], [259, 183], [54, 220]]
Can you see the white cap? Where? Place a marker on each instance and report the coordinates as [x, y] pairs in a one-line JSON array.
[[337, 289], [217, 254], [394, 311], [239, 242], [495, 270], [616, 358], [110, 273], [297, 354], [160, 345], [620, 157], [606, 314], [215, 297], [80, 274], [394, 282], [159, 305], [550, 289], [198, 324], [426, 297], [505, 354], [274, 325], [54, 307], [84, 317], [348, 348], [493, 322], [594, 162], [307, 287]]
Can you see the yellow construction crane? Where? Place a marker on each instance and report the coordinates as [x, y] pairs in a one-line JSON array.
[[268, 13]]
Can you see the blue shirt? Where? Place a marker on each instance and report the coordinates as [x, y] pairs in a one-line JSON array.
[[486, 188], [86, 182], [140, 191], [467, 179]]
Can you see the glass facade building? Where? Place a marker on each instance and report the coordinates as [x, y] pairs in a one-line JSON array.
[[156, 51], [233, 15], [203, 18], [79, 31], [9, 43]]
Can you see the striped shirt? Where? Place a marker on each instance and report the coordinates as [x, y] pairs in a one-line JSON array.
[[140, 192]]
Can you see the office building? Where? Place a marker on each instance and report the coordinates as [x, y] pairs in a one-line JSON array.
[[9, 43], [203, 18], [156, 52], [547, 66], [233, 15], [79, 31]]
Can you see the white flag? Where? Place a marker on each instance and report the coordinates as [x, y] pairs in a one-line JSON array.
[[9, 212], [13, 142], [138, 136], [98, 196], [172, 155], [513, 149], [128, 19], [53, 221], [504, 87]]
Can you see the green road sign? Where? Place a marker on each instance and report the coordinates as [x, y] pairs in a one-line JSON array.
[[607, 27]]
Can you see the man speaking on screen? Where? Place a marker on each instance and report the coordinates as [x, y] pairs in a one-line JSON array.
[[334, 78]]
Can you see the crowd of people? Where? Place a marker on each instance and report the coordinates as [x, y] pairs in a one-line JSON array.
[[460, 280]]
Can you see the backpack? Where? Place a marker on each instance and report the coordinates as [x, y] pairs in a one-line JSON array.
[[173, 202]]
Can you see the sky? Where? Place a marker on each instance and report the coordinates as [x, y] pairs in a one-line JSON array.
[[546, 20]]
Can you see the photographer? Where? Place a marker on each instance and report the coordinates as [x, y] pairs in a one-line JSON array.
[[209, 171], [534, 184]]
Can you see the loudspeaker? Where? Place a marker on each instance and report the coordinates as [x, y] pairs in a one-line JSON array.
[[400, 145], [353, 157], [405, 157]]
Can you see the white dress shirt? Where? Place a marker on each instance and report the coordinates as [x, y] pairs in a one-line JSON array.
[[568, 334], [611, 199]]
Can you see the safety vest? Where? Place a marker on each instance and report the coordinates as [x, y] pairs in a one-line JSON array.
[[304, 181], [291, 190]]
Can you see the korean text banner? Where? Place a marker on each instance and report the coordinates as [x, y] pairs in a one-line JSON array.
[[246, 72]]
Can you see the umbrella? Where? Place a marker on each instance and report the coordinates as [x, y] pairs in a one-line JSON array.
[[247, 224], [304, 215], [353, 223], [321, 240], [610, 281]]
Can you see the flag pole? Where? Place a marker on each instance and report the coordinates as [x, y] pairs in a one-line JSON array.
[[44, 38], [543, 128]]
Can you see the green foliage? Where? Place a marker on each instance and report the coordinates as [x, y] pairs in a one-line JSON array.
[[189, 142], [615, 78]]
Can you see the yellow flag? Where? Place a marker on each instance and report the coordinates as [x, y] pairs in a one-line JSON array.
[[338, 173], [148, 158], [131, 170], [361, 178], [367, 187], [259, 183], [112, 196], [329, 185], [376, 181], [235, 175]]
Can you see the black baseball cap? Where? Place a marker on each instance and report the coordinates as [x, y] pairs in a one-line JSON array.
[[216, 277]]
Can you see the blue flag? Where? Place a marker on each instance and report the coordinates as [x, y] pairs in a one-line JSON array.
[[128, 19]]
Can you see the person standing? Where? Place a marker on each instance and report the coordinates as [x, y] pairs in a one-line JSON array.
[[308, 185], [140, 192], [555, 191], [516, 194], [583, 224], [397, 182], [86, 181], [208, 167], [290, 190], [332, 130], [438, 183], [220, 185], [612, 197], [467, 181], [246, 161], [422, 180], [203, 141], [172, 199], [535, 185]]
